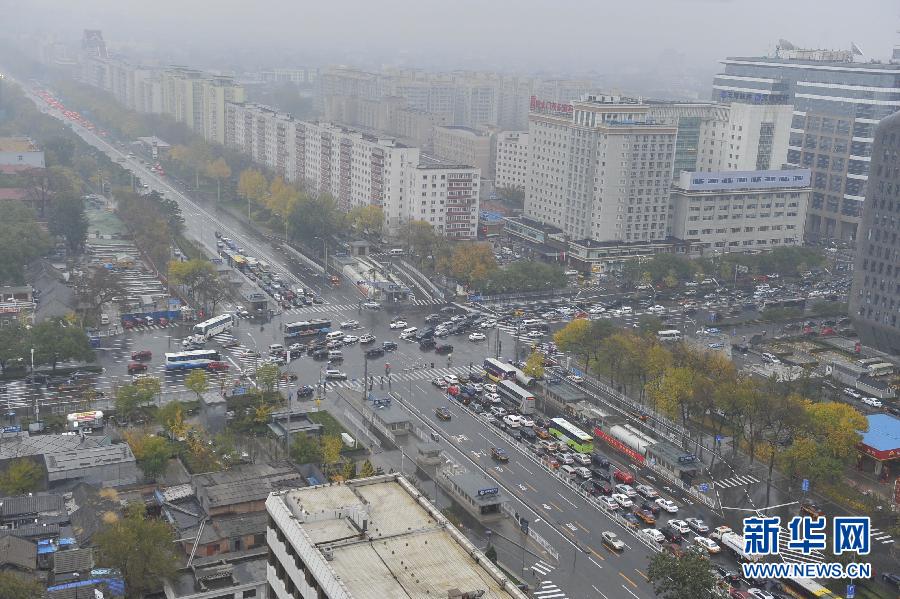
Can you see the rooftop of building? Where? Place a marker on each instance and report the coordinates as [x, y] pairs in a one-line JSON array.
[[88, 457], [742, 180], [382, 538], [24, 505], [428, 161], [22, 444], [461, 129], [883, 433], [17, 552], [244, 483], [220, 572], [826, 64], [17, 144]]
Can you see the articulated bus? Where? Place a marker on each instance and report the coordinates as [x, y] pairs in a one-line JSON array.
[[571, 435], [807, 588], [306, 328], [192, 359], [214, 326], [669, 335], [499, 371], [516, 398]]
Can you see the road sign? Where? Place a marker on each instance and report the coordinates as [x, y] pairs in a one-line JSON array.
[[704, 488], [851, 591], [804, 486], [718, 438]]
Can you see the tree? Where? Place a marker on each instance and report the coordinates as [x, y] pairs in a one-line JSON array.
[[218, 169], [13, 586], [513, 195], [253, 186], [200, 279], [197, 382], [783, 416], [267, 377], [142, 549], [21, 241], [367, 221], [307, 449], [171, 417], [366, 470], [97, 286], [534, 365], [331, 450], [349, 472], [472, 263], [22, 476], [67, 219], [130, 399], [14, 348], [584, 338], [152, 453], [54, 341], [686, 577], [421, 240], [44, 184], [491, 554]]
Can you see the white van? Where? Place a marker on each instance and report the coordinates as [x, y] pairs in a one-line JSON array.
[[334, 335], [397, 252], [335, 354], [513, 420], [408, 332], [568, 471], [104, 319], [530, 322]]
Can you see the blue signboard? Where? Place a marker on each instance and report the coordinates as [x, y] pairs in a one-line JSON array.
[[805, 485], [704, 488], [851, 591], [718, 438], [488, 491]]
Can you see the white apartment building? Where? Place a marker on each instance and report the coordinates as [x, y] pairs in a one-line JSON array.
[[739, 211], [751, 137], [599, 170], [371, 537], [463, 145], [445, 195], [511, 159]]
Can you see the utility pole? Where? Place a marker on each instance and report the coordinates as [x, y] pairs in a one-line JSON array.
[[365, 378]]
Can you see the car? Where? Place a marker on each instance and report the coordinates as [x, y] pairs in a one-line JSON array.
[[477, 337], [697, 525], [366, 305], [426, 344], [872, 401], [527, 422], [296, 348], [631, 520], [812, 510], [350, 324], [608, 502], [667, 504], [600, 461], [398, 324], [305, 391], [490, 387], [717, 533], [440, 383], [574, 378], [367, 338], [432, 318], [249, 353], [756, 592], [651, 507], [729, 575], [646, 516], [565, 457], [335, 374], [623, 477], [622, 500], [601, 474], [626, 490], [582, 458], [443, 413], [611, 540], [680, 525], [444, 348], [499, 454], [646, 491], [217, 366], [136, 367], [891, 579], [374, 352], [852, 392], [655, 535], [600, 488], [143, 354], [492, 397], [350, 339], [389, 345], [452, 379]]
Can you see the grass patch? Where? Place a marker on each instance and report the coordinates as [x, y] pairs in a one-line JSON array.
[[330, 426], [189, 248]]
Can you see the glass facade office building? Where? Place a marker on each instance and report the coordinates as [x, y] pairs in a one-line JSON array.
[[837, 105]]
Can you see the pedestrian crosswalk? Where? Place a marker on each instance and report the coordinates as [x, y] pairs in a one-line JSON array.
[[880, 536], [548, 590], [405, 376], [328, 308], [542, 568], [793, 556], [736, 481]]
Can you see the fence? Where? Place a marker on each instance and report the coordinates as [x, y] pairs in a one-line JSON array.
[[532, 534]]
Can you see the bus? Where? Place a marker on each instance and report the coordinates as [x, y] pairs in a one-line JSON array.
[[306, 328], [807, 588], [669, 335], [191, 359], [571, 435], [214, 326], [516, 398], [77, 420], [522, 378], [499, 371]]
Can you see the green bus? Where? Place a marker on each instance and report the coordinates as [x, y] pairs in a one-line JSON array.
[[571, 435]]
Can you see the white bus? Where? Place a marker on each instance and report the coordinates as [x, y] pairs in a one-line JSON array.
[[669, 335], [214, 326], [191, 359], [516, 397]]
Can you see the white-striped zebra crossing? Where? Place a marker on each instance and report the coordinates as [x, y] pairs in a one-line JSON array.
[[549, 590], [399, 376], [793, 556], [327, 308], [736, 481], [542, 568], [879, 536]]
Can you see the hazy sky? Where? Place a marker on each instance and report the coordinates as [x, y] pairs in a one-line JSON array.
[[565, 36]]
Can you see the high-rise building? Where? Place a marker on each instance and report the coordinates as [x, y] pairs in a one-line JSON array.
[[748, 137], [875, 293], [372, 537], [837, 104], [511, 159], [739, 211], [463, 145], [599, 169]]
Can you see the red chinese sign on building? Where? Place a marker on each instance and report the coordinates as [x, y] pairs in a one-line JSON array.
[[547, 107], [619, 446]]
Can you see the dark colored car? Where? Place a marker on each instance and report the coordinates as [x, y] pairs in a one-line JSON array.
[[600, 474], [426, 344], [499, 454], [651, 507], [443, 413], [598, 488], [600, 461], [672, 535], [374, 352], [320, 354], [388, 345], [305, 391], [476, 377], [444, 348], [891, 579], [144, 354]]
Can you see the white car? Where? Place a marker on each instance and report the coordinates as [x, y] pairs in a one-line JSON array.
[[872, 401], [527, 422], [597, 310], [350, 324], [720, 531], [680, 525], [490, 387], [626, 490], [614, 542], [367, 338], [565, 458], [334, 374], [622, 500], [608, 502], [647, 491], [708, 544], [451, 379], [535, 334], [350, 339], [667, 504], [657, 309], [574, 378], [372, 306], [583, 459], [398, 324], [698, 525], [492, 397], [477, 337], [655, 535], [488, 324], [296, 347]]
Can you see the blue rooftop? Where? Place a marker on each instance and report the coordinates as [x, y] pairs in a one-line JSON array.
[[884, 432]]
